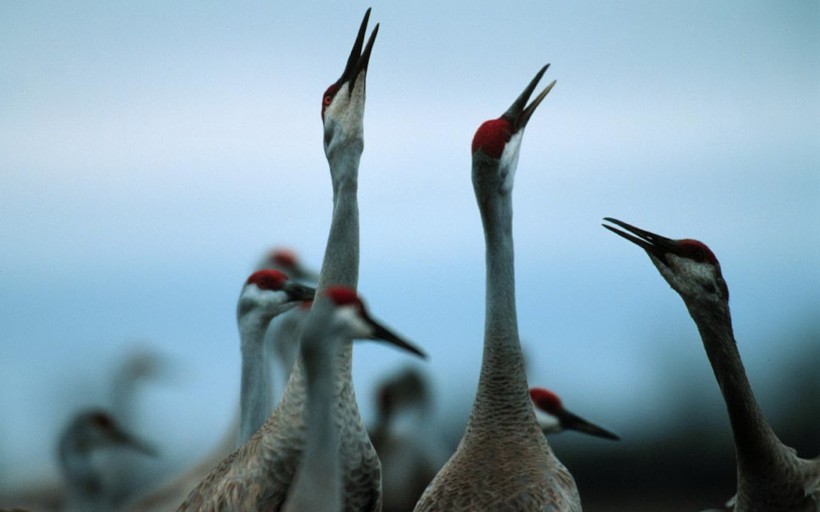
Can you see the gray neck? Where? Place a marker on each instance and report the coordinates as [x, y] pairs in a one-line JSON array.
[[502, 388], [84, 483], [340, 265], [756, 446], [282, 343], [255, 398], [317, 484]]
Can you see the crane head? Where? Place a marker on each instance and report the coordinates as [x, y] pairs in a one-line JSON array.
[[689, 266], [287, 261], [546, 401], [351, 312], [95, 428], [557, 418], [270, 292], [343, 101], [497, 142], [402, 390]]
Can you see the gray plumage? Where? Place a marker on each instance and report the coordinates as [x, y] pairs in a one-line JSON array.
[[770, 476], [87, 488], [258, 475], [317, 486], [503, 461]]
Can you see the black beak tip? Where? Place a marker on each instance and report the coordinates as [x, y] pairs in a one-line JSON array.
[[358, 60], [519, 112]]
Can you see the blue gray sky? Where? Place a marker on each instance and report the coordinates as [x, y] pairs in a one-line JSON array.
[[151, 152]]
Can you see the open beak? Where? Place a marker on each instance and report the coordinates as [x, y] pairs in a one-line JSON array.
[[519, 112], [570, 421], [382, 333], [298, 292], [656, 245], [358, 60]]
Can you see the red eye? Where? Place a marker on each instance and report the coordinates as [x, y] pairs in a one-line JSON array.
[[327, 100]]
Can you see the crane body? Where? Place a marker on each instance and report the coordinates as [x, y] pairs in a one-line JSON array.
[[770, 476]]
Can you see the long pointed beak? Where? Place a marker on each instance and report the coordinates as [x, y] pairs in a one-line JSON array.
[[298, 292], [655, 245], [382, 333], [125, 439], [519, 112], [571, 421], [357, 61]]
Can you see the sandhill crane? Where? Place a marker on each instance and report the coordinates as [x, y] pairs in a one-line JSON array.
[[282, 341], [282, 338], [770, 476], [258, 475], [284, 331], [553, 417], [129, 473], [266, 294], [503, 461], [406, 438], [317, 484], [287, 261], [88, 432]]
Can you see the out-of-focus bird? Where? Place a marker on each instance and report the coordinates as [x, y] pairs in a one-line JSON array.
[[88, 433], [128, 472], [553, 417], [405, 436], [284, 331], [503, 461], [259, 474], [770, 475], [282, 341], [317, 486], [287, 261], [266, 294]]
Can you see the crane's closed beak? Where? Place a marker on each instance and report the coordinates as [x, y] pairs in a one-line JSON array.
[[572, 422], [123, 438], [357, 61], [382, 333], [656, 245], [298, 292], [519, 112]]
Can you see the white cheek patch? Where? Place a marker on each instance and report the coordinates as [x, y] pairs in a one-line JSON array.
[[262, 297], [355, 326], [546, 421], [509, 160], [697, 276], [341, 97], [343, 117]]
